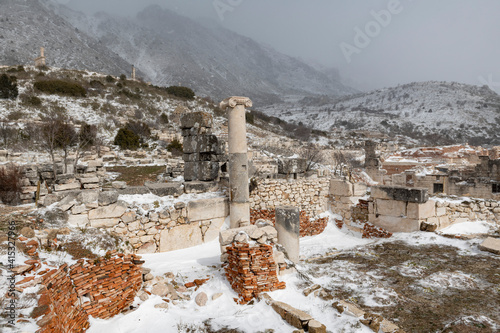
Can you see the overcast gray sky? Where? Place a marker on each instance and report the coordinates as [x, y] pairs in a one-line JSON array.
[[374, 43]]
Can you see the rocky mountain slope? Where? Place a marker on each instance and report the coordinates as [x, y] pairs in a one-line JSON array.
[[431, 112], [167, 49], [26, 25]]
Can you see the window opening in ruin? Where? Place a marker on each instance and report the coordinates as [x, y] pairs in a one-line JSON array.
[[438, 188], [495, 188]]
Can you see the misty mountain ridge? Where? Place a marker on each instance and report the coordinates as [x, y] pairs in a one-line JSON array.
[[430, 112], [166, 48]]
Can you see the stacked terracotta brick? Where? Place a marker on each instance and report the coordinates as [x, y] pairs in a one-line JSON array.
[[60, 304], [251, 270], [307, 227], [110, 286]]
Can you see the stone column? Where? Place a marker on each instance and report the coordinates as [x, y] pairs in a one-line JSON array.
[[238, 161], [133, 72], [42, 52], [288, 226]]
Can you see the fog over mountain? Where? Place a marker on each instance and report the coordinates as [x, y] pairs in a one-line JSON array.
[[448, 40]]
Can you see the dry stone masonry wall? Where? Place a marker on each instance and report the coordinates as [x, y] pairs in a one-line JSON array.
[[309, 195], [148, 229]]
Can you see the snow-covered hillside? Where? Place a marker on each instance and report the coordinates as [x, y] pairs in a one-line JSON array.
[[432, 112]]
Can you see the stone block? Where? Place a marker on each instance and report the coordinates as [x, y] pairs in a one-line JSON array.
[[89, 180], [87, 197], [201, 144], [119, 185], [107, 212], [131, 190], [421, 211], [207, 209], [390, 207], [293, 316], [341, 188], [440, 211], [165, 189], [107, 198], [418, 195], [226, 237], [214, 229], [104, 223], [359, 190], [180, 237], [95, 164], [196, 120], [208, 171], [200, 187], [396, 224], [490, 244], [67, 187], [191, 171], [75, 210], [78, 221]]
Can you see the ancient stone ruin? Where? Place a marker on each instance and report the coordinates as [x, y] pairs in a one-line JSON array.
[[202, 150]]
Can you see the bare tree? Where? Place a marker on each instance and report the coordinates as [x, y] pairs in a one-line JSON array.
[[7, 133], [65, 139], [48, 139], [87, 136], [312, 155]]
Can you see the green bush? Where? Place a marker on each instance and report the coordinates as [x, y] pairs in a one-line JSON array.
[[60, 87], [182, 92], [110, 79], [126, 139], [123, 77], [139, 128], [250, 118], [175, 147], [164, 118], [8, 87], [31, 101]]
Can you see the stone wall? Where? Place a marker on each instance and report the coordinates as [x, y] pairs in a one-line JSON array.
[[99, 288], [86, 177], [147, 228], [403, 209], [202, 149], [309, 195]]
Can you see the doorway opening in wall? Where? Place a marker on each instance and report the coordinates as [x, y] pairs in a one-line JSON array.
[[438, 188], [495, 188]]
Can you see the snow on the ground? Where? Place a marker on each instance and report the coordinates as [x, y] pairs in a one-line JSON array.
[[468, 228], [204, 261], [158, 203]]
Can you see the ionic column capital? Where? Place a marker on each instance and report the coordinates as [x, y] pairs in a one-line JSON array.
[[232, 102]]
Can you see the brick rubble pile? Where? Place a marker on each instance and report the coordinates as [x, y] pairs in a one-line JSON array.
[[100, 288]]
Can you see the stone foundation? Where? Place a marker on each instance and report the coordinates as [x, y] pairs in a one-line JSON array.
[[308, 227]]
